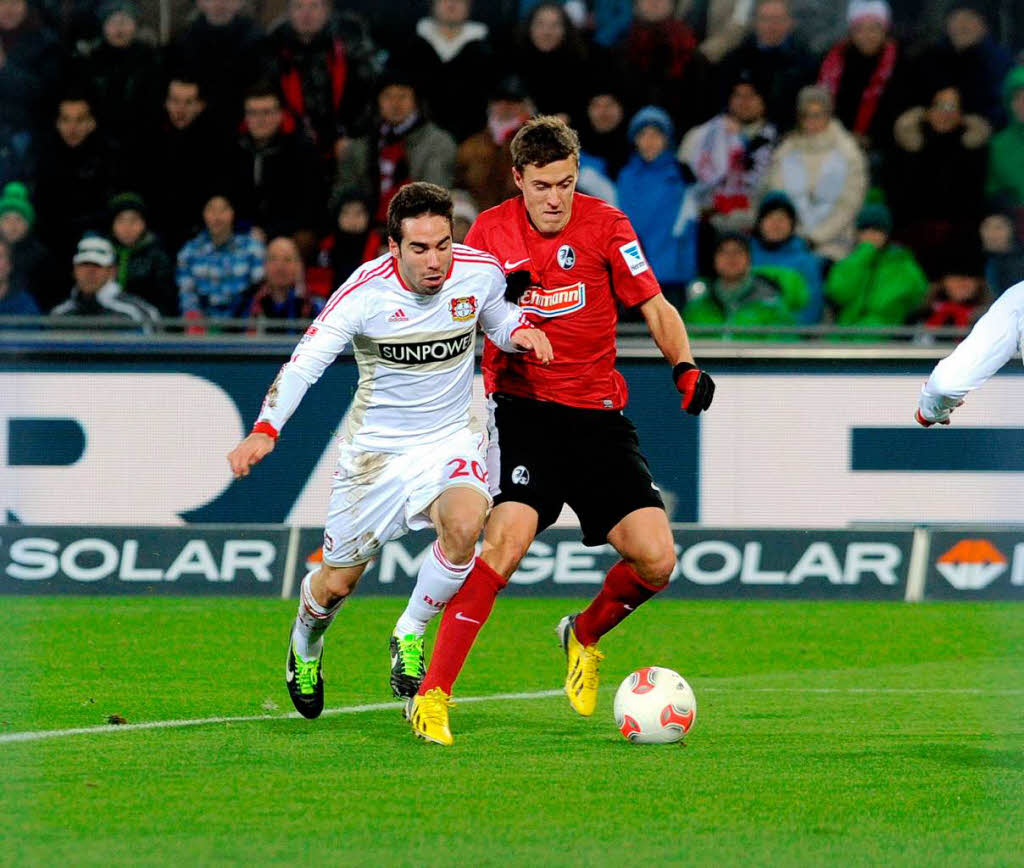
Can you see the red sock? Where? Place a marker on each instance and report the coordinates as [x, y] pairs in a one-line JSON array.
[[463, 618], [623, 590]]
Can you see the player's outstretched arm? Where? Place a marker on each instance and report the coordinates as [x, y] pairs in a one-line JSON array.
[[669, 333], [534, 339], [249, 452]]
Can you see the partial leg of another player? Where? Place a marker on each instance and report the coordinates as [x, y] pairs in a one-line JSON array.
[[458, 514], [509, 531], [644, 540], [321, 595]]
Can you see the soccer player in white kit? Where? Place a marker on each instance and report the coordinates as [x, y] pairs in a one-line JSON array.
[[990, 345], [410, 453]]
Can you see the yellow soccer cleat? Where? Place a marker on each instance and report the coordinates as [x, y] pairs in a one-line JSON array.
[[428, 715], [582, 675]]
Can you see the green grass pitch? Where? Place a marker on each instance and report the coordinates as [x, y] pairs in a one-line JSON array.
[[827, 734]]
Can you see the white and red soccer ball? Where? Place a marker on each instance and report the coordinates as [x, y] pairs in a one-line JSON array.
[[655, 705]]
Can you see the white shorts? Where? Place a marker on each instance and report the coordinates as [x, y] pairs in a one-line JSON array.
[[380, 496]]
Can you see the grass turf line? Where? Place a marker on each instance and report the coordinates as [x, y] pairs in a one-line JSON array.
[[768, 777]]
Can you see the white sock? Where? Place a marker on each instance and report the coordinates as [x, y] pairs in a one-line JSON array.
[[436, 583], [311, 621]]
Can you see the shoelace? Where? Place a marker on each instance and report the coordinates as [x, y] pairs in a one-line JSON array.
[[410, 652], [433, 706], [306, 674], [590, 665]]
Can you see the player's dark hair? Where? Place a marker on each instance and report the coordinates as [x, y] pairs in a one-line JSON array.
[[415, 200], [542, 140]]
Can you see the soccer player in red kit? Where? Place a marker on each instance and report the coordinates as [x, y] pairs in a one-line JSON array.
[[557, 432]]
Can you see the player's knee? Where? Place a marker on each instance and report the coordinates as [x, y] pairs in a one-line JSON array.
[[655, 567], [338, 582], [458, 535]]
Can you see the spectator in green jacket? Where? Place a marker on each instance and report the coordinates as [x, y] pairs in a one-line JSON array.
[[1006, 153], [740, 295], [879, 283]]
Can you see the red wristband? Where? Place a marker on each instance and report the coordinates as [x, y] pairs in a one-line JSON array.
[[265, 428]]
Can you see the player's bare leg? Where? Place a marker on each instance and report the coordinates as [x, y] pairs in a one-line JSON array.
[[644, 539], [458, 515], [510, 530], [321, 595]]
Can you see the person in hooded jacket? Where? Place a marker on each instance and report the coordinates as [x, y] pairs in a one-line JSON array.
[[879, 283], [653, 194], [775, 243]]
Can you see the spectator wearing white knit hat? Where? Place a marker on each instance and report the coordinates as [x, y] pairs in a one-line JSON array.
[[861, 72]]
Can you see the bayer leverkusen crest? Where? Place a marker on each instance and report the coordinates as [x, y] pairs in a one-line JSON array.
[[463, 309]]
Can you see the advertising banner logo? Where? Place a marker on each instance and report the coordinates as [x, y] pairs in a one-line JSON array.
[[758, 564], [105, 560], [976, 566]]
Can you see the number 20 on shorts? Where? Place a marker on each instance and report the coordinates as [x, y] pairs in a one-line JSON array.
[[460, 469]]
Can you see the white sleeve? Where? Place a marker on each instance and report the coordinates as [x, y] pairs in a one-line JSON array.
[[317, 348], [499, 318], [990, 345]]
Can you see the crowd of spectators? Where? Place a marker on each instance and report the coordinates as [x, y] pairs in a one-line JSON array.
[[785, 162]]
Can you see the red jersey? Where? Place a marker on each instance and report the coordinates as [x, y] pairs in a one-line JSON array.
[[577, 275]]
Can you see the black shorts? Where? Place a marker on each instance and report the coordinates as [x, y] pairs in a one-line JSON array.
[[549, 455]]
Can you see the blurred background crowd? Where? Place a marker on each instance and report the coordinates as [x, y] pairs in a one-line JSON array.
[[785, 162]]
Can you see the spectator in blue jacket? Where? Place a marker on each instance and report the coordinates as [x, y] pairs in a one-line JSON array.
[[659, 203], [217, 268], [776, 243]]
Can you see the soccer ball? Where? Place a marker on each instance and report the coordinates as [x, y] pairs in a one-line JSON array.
[[655, 705]]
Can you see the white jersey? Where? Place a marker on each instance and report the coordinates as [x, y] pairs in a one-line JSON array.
[[415, 352], [990, 345]]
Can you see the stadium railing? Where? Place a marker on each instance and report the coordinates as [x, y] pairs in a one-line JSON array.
[[33, 329]]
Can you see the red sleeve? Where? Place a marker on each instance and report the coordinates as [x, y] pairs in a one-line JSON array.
[[475, 237], [633, 282]]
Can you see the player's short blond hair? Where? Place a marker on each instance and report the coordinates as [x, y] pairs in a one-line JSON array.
[[542, 140]]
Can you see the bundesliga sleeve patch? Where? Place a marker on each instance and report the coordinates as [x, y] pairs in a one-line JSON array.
[[634, 258]]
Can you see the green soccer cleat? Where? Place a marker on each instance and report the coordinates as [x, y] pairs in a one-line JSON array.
[[305, 680], [407, 665]]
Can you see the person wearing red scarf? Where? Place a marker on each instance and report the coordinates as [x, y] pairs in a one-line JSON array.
[[858, 73], [664, 67], [324, 75]]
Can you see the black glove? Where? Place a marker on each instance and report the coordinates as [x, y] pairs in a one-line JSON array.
[[696, 387], [516, 283]]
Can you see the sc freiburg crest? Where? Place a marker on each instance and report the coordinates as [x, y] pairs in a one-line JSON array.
[[463, 309]]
